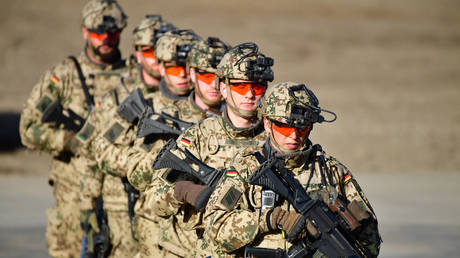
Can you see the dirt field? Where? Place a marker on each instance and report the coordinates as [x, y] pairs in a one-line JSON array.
[[389, 69]]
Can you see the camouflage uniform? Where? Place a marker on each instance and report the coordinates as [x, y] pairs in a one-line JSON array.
[[214, 141], [234, 214], [104, 138], [62, 83]]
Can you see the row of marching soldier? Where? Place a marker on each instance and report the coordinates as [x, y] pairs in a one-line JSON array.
[[184, 149]]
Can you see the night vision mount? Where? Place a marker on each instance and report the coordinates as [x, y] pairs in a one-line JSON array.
[[108, 25], [183, 50], [258, 69], [215, 43], [307, 113]]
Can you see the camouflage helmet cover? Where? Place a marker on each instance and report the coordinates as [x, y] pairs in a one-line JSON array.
[[206, 54], [291, 103], [175, 45], [145, 33], [245, 62], [103, 16]]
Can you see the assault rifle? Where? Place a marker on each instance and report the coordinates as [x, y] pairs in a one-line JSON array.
[[55, 113], [334, 238], [135, 109], [133, 195], [99, 241], [180, 169]]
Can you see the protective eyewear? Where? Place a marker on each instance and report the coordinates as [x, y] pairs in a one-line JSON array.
[[205, 77], [149, 53], [286, 130], [104, 35], [244, 87], [176, 70]]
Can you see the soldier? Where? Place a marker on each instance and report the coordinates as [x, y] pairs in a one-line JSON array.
[[145, 35], [242, 74], [105, 131], [57, 107], [242, 213]]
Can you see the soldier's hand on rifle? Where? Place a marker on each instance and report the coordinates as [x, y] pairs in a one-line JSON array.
[[191, 193], [88, 221], [292, 223]]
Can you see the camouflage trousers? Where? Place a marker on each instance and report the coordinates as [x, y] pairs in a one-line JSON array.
[[121, 238], [63, 231], [147, 233]]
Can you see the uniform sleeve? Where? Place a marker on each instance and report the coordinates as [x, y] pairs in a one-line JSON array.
[[231, 224], [359, 206], [159, 196], [34, 133], [90, 182]]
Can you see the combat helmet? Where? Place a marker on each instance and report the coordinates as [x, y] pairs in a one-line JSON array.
[[293, 104], [174, 46], [205, 55], [102, 16], [148, 30], [244, 62]]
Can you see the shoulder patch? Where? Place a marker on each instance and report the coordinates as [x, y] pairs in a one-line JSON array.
[[232, 173], [184, 141], [84, 134], [346, 178], [112, 134], [231, 198], [54, 79], [44, 103]]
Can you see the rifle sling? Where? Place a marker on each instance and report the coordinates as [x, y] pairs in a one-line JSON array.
[[89, 99]]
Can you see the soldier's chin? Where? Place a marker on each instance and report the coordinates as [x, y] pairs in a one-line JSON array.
[[106, 53]]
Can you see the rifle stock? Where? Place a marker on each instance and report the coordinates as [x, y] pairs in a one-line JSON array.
[[133, 106]]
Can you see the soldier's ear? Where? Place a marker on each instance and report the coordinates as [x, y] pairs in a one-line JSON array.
[[192, 74], [223, 90], [267, 125], [138, 56], [162, 69], [84, 32]]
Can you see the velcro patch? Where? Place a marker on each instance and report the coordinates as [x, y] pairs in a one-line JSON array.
[[84, 134], [112, 134], [44, 103], [232, 173], [346, 178], [54, 79], [185, 142], [231, 198]]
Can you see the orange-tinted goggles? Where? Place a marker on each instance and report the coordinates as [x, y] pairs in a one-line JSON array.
[[206, 77], [286, 130], [243, 88], [149, 53], [175, 70], [102, 36]]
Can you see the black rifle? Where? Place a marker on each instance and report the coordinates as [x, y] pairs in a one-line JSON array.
[[334, 239], [54, 113], [100, 240], [135, 109], [133, 195], [206, 175]]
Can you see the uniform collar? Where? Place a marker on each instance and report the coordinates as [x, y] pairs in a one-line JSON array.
[[248, 132]]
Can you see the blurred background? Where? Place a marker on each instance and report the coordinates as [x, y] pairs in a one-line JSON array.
[[389, 69]]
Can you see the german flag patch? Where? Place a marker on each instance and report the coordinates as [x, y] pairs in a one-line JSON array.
[[185, 142], [346, 178], [232, 173], [54, 79]]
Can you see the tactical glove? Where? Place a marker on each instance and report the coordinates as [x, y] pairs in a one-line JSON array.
[[191, 193], [291, 222]]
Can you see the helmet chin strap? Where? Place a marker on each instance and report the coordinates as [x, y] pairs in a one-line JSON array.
[[285, 150], [200, 95], [240, 112]]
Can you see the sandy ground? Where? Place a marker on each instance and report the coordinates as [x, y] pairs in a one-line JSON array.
[[389, 69]]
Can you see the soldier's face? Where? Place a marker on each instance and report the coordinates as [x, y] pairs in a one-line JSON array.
[[103, 43], [290, 138], [146, 57], [205, 82], [245, 94], [177, 76]]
